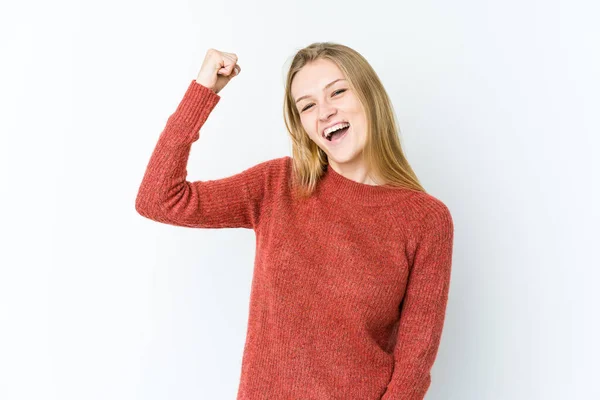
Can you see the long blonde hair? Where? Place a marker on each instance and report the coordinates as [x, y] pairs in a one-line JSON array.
[[382, 153]]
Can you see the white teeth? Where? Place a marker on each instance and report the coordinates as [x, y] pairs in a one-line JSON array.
[[329, 131]]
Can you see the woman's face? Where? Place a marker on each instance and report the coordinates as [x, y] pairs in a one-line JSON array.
[[324, 98]]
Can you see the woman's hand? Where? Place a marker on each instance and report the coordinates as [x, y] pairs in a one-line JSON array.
[[218, 69]]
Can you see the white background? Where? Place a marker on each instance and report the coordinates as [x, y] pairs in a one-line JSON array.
[[498, 107]]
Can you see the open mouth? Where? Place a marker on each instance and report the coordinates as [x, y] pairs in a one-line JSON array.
[[337, 135]]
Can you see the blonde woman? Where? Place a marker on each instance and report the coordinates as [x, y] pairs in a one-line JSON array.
[[353, 257]]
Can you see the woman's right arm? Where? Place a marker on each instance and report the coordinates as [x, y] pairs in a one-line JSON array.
[[165, 195]]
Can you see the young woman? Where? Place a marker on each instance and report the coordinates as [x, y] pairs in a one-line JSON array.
[[353, 257]]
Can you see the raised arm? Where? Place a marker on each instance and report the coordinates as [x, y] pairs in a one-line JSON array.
[[423, 308], [166, 196]]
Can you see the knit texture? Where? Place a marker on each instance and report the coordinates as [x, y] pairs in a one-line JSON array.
[[349, 287]]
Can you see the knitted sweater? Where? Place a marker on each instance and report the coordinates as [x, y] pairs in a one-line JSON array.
[[349, 287]]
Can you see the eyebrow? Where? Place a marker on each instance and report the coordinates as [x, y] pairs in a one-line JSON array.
[[326, 86]]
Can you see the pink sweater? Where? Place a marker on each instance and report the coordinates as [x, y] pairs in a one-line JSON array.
[[349, 288]]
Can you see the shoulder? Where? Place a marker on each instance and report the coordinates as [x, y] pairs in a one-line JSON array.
[[277, 163], [277, 168], [271, 166], [430, 215], [270, 173]]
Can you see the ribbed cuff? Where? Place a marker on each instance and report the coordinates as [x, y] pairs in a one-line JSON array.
[[192, 112], [197, 103]]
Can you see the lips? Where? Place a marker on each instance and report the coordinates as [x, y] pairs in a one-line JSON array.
[[330, 125], [338, 137]]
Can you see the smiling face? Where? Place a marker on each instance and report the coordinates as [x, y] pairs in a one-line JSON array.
[[324, 98]]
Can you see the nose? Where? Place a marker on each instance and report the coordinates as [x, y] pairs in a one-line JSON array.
[[326, 111]]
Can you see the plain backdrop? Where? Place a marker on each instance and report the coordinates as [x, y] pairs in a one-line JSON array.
[[498, 105]]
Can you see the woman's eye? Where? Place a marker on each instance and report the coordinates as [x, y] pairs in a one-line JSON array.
[[334, 93]]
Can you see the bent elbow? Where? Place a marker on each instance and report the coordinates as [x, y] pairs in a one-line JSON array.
[[143, 207]]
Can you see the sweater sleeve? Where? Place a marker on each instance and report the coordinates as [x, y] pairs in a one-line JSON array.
[[423, 308], [166, 196]]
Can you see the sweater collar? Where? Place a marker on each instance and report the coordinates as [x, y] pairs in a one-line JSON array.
[[334, 184]]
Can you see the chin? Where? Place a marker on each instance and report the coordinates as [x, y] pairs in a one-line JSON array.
[[342, 158]]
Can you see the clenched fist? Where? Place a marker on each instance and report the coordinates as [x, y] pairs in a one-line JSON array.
[[218, 69]]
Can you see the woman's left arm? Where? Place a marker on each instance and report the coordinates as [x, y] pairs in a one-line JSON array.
[[423, 307]]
